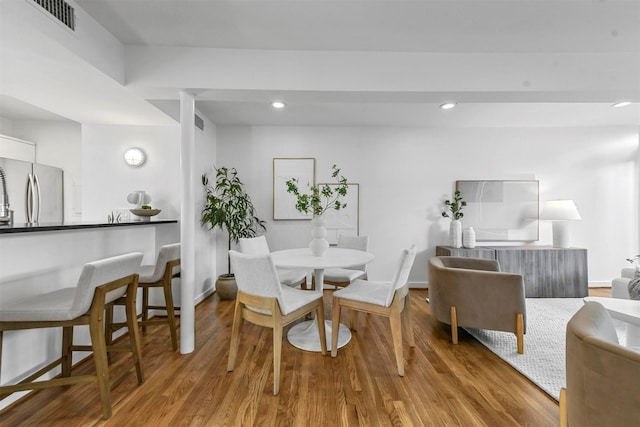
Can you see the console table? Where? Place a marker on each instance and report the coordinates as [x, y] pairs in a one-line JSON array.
[[547, 272]]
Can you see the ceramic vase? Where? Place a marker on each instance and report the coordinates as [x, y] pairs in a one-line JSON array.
[[469, 238], [455, 234], [319, 244]]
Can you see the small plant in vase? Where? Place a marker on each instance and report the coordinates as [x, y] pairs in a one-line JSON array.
[[316, 201], [454, 212]]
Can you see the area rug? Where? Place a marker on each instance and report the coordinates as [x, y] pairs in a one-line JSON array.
[[543, 361]]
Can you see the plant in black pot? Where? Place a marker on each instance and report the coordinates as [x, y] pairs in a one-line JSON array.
[[228, 207]]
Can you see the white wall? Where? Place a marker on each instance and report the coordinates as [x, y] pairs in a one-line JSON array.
[[405, 175], [107, 180]]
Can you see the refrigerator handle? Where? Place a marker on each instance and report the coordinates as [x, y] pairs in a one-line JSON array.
[[30, 199], [37, 213]]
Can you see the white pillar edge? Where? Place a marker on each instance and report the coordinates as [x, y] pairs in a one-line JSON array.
[[187, 223]]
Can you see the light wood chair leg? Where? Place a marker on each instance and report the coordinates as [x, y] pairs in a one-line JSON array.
[[67, 342], [171, 318], [564, 419], [108, 321], [235, 333], [408, 321], [353, 320], [98, 343], [520, 332], [396, 336], [321, 328], [335, 327], [134, 334], [277, 353], [454, 326]]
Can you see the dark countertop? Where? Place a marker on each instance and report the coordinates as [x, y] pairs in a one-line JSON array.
[[61, 226]]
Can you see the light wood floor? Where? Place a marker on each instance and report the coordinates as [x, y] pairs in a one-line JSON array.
[[445, 385]]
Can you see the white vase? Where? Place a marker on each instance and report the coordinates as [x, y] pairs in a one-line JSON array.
[[319, 244], [455, 234], [469, 238]]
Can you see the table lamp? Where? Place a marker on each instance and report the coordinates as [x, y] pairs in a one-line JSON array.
[[560, 212]]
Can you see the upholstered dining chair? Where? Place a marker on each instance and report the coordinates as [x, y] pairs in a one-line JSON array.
[[474, 293], [385, 299], [262, 300], [259, 246], [603, 377], [100, 283], [158, 275], [341, 277]]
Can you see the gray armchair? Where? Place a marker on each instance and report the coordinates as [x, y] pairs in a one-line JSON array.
[[603, 377], [474, 293]]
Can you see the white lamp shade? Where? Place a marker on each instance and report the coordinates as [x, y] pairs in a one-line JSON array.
[[560, 210]]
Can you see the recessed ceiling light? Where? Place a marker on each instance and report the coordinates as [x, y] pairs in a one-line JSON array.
[[448, 105], [621, 104], [278, 104]]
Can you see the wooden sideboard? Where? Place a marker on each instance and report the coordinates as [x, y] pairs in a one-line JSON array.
[[547, 272]]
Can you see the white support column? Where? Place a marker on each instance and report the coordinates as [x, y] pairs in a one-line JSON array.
[[187, 222]]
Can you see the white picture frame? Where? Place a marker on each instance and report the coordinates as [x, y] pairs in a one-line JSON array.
[[284, 169]]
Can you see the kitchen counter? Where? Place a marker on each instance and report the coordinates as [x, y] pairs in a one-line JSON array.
[[61, 226]]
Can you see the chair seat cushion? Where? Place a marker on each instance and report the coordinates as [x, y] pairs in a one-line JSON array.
[[342, 275], [146, 274], [365, 291], [52, 306], [293, 300], [292, 277]]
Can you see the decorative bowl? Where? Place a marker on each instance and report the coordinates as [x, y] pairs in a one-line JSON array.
[[145, 212]]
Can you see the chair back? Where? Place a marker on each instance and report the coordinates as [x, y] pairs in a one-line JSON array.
[[165, 254], [98, 273], [256, 275], [254, 245], [603, 377], [360, 243], [400, 282]]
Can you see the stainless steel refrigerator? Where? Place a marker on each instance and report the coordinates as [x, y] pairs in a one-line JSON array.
[[34, 192]]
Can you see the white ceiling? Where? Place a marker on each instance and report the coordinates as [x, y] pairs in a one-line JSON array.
[[517, 62]]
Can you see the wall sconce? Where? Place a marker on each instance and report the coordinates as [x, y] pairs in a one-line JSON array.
[[560, 212], [135, 157]]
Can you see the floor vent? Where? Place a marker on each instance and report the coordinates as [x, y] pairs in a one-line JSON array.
[[199, 122], [61, 10]]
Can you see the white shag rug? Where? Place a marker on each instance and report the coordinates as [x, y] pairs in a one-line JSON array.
[[543, 361]]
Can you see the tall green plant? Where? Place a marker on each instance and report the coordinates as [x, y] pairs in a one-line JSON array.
[[228, 207]]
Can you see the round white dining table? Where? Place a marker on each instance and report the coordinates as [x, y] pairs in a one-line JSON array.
[[305, 335], [626, 310]]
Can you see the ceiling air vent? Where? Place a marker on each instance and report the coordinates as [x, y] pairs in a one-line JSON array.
[[61, 10], [199, 122]]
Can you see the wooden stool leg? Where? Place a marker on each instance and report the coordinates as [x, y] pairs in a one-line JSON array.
[[134, 335], [145, 307], [277, 353], [396, 336], [67, 343], [96, 329], [108, 321], [408, 319], [235, 336], [168, 300], [454, 325]]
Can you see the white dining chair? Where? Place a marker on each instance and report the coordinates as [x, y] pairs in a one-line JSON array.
[[262, 300], [341, 277], [259, 246], [389, 299]]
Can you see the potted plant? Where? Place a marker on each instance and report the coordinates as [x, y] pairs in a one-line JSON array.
[[228, 207], [316, 201], [454, 211]]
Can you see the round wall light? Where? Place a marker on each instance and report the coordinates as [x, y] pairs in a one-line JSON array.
[[447, 105], [134, 157], [278, 104]]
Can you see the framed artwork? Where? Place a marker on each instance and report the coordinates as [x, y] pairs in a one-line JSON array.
[[346, 221], [501, 210], [284, 204]]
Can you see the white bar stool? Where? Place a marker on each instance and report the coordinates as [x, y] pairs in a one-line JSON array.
[[100, 283], [158, 275]]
